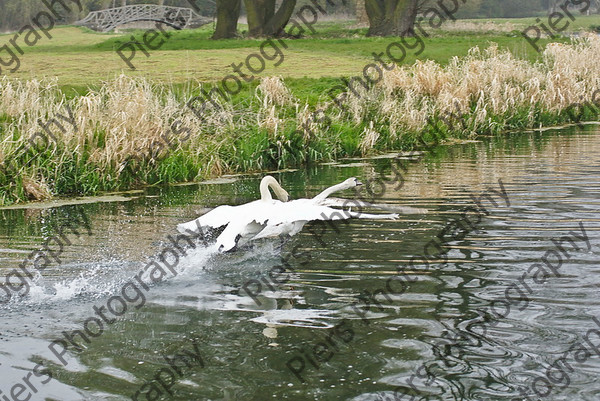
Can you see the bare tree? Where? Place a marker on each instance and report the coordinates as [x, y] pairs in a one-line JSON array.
[[391, 17], [228, 13], [361, 12], [264, 20]]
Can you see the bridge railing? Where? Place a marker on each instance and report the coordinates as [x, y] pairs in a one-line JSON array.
[[178, 17]]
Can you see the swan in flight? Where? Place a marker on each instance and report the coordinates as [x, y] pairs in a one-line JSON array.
[[235, 217], [266, 217]]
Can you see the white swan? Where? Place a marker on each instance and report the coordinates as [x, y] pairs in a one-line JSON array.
[[266, 217], [291, 217], [235, 217]]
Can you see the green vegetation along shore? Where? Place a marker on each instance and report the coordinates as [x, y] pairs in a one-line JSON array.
[[110, 128]]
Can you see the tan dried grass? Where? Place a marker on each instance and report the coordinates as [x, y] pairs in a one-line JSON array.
[[486, 26], [272, 91], [490, 82], [36, 189]]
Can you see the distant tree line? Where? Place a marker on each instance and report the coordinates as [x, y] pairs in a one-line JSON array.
[[506, 8], [397, 17], [518, 8], [265, 17]]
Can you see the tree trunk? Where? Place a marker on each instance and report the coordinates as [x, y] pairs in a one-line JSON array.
[[263, 20], [552, 6], [228, 13], [161, 2], [361, 13], [123, 3], [391, 17]]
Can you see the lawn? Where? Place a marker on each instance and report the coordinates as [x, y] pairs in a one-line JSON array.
[[79, 57]]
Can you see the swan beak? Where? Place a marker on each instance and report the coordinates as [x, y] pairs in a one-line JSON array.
[[358, 183]]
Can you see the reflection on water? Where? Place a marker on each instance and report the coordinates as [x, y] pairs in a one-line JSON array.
[[306, 338]]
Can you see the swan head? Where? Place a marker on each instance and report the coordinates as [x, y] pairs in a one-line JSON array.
[[283, 195], [351, 183], [270, 182]]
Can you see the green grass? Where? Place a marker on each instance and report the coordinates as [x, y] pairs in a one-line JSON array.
[[79, 57]]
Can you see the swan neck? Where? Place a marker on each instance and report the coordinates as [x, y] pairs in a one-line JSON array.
[[331, 190], [279, 191], [265, 194]]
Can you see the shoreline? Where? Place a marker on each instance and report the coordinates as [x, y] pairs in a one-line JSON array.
[[132, 133], [122, 196]]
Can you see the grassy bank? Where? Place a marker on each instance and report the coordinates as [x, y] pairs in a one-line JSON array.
[[123, 135], [134, 129]]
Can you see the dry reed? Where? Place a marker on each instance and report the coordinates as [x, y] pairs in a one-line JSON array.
[[128, 118], [489, 87]]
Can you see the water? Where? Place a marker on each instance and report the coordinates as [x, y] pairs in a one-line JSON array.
[[424, 337]]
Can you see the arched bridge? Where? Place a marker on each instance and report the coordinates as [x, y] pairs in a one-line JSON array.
[[176, 17]]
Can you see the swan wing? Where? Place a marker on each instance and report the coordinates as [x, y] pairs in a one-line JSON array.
[[228, 239], [353, 203], [339, 202], [317, 212], [216, 218], [262, 211], [238, 232], [275, 230], [224, 214], [303, 210], [289, 218], [361, 215]]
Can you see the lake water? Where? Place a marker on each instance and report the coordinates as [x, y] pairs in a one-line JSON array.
[[430, 332]]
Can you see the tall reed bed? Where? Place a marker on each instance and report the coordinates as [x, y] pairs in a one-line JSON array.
[[487, 92], [131, 133]]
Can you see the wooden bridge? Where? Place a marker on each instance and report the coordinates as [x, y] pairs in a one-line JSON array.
[[176, 17]]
